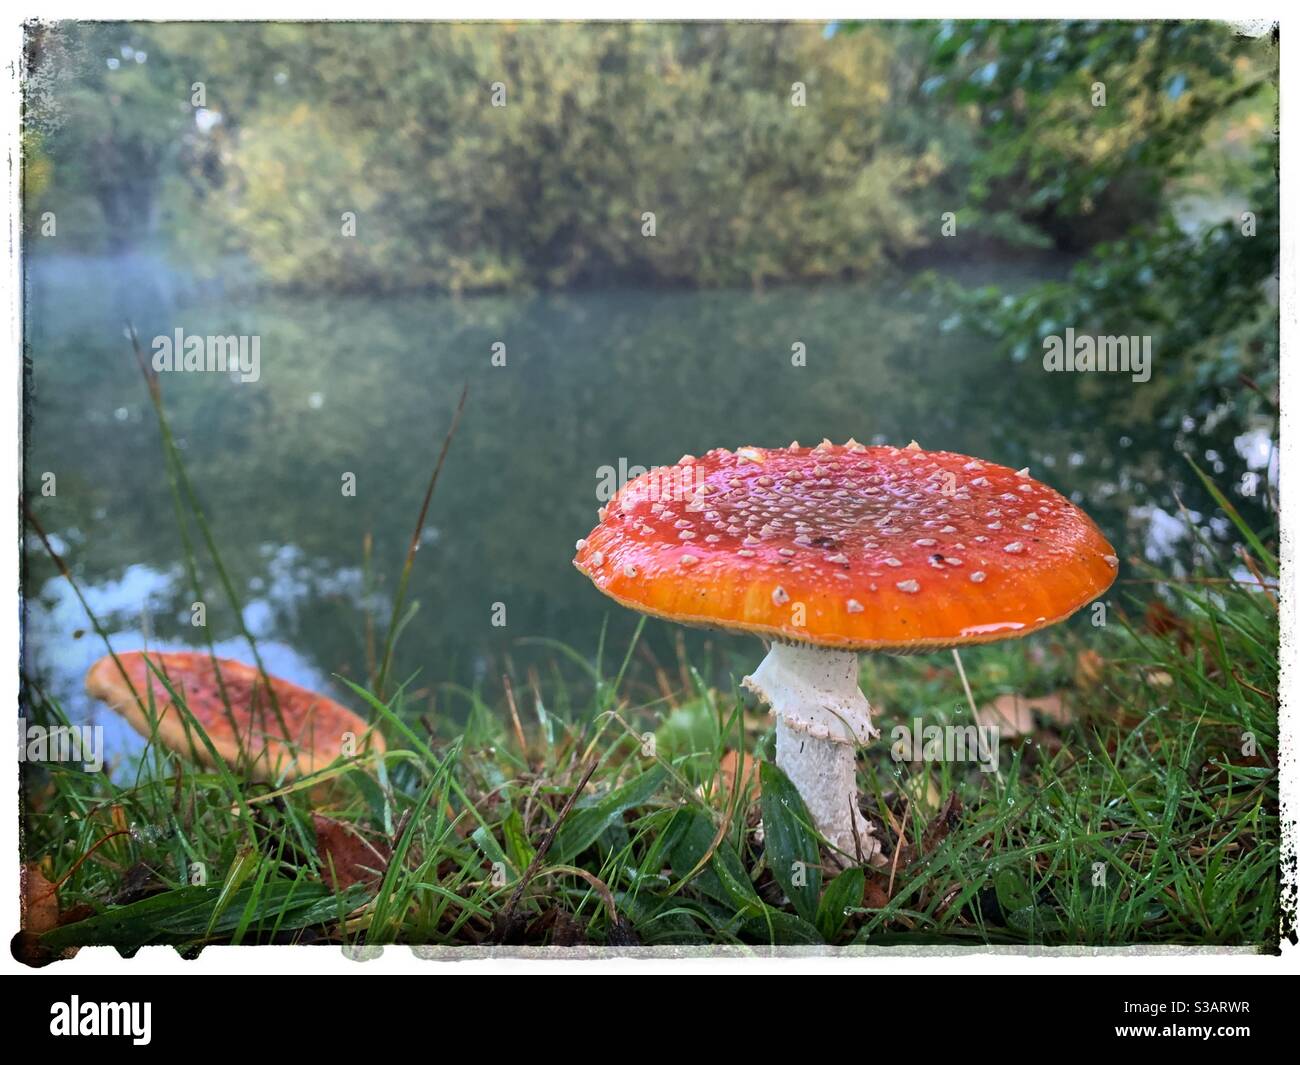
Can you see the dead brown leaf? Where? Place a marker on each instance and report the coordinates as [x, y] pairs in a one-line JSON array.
[[942, 823], [1088, 669], [1013, 714], [874, 895], [565, 931], [1009, 714], [40, 905], [346, 856], [739, 764]]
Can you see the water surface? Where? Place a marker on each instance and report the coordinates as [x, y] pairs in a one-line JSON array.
[[592, 381]]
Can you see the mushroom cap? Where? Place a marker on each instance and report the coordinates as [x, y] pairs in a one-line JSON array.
[[883, 548], [314, 727]]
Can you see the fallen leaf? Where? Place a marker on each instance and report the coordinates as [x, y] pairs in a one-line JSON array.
[[346, 856], [1013, 714], [40, 901], [874, 895], [731, 766], [1088, 668], [942, 823], [1009, 714], [565, 931], [1054, 707]]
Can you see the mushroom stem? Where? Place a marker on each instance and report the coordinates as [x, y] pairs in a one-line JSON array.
[[821, 718]]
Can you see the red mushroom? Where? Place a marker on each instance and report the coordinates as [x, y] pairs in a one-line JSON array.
[[832, 550], [293, 735]]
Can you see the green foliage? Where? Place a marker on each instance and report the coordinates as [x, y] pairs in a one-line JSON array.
[[1172, 185], [1082, 125], [586, 824], [696, 123], [1208, 300], [601, 124], [106, 120], [790, 841], [842, 893], [186, 913]]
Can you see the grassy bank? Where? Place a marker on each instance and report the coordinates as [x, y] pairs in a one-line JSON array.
[[1138, 804]]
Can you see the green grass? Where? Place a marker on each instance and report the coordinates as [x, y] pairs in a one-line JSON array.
[[1140, 821], [596, 811]]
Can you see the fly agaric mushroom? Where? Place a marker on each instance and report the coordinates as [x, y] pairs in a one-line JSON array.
[[292, 735], [832, 550]]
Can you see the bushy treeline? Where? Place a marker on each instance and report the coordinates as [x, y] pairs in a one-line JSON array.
[[485, 156], [481, 156]]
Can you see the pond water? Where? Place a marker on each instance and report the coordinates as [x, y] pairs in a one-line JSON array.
[[592, 382]]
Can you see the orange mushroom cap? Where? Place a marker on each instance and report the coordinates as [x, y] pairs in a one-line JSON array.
[[250, 735], [885, 548]]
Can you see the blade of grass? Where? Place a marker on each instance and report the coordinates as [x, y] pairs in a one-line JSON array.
[[390, 638]]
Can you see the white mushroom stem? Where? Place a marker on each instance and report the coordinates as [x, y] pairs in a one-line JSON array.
[[821, 718]]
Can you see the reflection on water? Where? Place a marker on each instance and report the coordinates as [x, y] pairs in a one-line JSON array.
[[365, 386]]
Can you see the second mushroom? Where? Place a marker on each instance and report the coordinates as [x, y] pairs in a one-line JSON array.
[[831, 550]]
